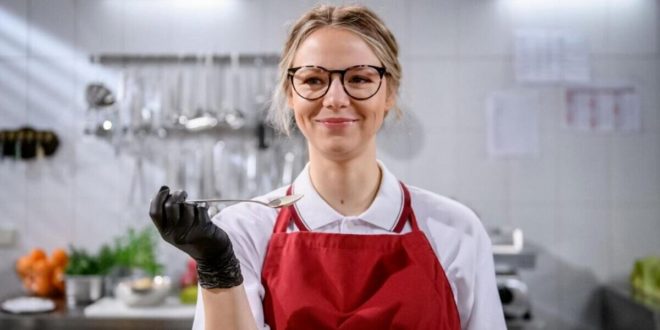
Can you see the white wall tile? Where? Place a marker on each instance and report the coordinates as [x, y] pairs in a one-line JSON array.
[[583, 237], [478, 177], [278, 19], [13, 28], [13, 91], [50, 210], [635, 231], [539, 223], [584, 167], [100, 26], [584, 255], [51, 90], [632, 27], [212, 27], [635, 164], [642, 73], [434, 167], [587, 18], [432, 92], [543, 285], [8, 278], [15, 201], [395, 14], [52, 28], [149, 27], [434, 28], [534, 177], [98, 211], [484, 28], [534, 15], [476, 80]]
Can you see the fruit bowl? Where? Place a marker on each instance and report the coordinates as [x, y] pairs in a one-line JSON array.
[[145, 291]]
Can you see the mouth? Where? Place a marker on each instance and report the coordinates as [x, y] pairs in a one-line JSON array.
[[336, 123], [336, 120]]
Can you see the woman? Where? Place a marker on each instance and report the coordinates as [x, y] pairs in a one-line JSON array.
[[361, 250]]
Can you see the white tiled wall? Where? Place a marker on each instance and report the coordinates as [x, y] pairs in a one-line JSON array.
[[590, 202]]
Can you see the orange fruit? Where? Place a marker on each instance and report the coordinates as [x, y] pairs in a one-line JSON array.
[[59, 257], [41, 286], [58, 279], [37, 254], [42, 267], [24, 266], [27, 283]]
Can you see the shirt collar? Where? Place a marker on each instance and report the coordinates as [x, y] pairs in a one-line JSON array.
[[383, 212]]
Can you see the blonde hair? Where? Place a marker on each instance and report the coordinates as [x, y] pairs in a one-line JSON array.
[[357, 19]]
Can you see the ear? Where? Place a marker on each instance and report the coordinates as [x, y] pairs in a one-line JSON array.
[[390, 102], [289, 99]]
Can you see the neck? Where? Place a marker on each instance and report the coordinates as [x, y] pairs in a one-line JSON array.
[[348, 186]]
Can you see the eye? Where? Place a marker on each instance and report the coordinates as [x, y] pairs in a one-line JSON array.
[[359, 80], [313, 81]]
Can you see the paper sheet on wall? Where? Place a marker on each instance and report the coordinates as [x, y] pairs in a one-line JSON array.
[[550, 56], [602, 107], [512, 124]]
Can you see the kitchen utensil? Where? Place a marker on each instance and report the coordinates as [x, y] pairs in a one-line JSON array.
[[275, 203], [83, 289], [98, 95], [146, 291], [233, 116]]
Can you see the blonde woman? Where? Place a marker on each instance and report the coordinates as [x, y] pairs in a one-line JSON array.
[[361, 250]]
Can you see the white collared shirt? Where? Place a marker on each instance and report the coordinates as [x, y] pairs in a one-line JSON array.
[[454, 231]]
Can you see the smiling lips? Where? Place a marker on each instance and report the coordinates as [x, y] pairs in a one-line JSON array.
[[336, 122]]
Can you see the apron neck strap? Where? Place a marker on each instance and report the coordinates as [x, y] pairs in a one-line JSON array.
[[289, 213], [407, 212]]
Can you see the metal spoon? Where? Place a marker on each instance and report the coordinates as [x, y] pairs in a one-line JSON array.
[[275, 203]]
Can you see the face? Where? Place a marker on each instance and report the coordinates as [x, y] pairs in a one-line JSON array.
[[337, 126]]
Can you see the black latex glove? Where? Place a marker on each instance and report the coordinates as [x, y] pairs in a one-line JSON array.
[[188, 227]]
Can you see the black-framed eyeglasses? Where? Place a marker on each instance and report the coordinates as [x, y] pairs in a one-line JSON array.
[[360, 82]]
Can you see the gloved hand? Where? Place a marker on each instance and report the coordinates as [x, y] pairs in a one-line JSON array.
[[188, 227]]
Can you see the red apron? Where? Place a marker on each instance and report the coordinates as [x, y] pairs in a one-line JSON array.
[[348, 281]]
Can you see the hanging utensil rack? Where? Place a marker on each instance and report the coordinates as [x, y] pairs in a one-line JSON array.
[[118, 59]]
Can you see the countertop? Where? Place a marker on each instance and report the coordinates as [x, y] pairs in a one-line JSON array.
[[623, 310], [64, 317]]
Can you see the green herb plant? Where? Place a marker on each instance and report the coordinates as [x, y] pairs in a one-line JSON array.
[[134, 250]]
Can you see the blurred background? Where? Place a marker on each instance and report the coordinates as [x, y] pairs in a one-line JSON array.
[[542, 116]]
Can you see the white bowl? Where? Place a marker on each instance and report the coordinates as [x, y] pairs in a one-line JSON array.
[[145, 291]]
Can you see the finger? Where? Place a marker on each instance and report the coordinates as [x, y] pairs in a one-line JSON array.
[[179, 196], [187, 223], [173, 208], [156, 206]]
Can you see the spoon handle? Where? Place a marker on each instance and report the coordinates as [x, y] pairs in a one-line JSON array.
[[213, 200]]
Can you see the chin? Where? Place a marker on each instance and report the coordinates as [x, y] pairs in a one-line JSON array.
[[339, 151]]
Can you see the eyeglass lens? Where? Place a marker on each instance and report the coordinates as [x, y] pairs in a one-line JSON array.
[[359, 82]]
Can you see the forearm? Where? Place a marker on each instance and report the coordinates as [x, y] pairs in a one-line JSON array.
[[227, 309]]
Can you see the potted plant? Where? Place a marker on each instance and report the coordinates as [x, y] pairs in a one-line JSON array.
[[87, 274]]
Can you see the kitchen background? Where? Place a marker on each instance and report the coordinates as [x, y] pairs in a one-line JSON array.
[[589, 200]]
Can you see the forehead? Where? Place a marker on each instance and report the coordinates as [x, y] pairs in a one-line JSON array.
[[334, 48]]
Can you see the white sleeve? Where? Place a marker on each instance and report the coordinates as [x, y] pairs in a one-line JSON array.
[[249, 235], [486, 311]]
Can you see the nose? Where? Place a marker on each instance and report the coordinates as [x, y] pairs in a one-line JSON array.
[[336, 97]]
